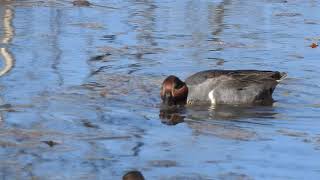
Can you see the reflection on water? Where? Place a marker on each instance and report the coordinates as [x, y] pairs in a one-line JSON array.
[[175, 115], [8, 33], [84, 90], [171, 115]]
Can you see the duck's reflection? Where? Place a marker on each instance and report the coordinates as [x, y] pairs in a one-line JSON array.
[[176, 115], [235, 112], [170, 118], [172, 115]]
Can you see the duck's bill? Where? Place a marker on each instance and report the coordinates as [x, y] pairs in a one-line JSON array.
[[168, 99]]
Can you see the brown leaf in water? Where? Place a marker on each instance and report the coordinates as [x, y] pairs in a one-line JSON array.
[[314, 45], [81, 3], [104, 93]]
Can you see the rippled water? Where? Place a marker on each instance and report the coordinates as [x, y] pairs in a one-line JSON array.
[[80, 89]]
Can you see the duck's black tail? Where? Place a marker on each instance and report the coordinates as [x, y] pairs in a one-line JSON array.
[[283, 75]]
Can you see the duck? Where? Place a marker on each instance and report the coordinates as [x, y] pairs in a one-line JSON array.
[[235, 87]]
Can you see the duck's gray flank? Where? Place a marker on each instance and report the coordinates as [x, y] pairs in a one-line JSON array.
[[232, 87]]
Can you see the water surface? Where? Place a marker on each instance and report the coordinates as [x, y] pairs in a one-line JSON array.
[[80, 87]]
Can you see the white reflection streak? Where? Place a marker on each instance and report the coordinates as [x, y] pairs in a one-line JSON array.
[[7, 37]]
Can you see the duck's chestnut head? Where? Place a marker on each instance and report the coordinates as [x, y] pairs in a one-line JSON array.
[[173, 91]]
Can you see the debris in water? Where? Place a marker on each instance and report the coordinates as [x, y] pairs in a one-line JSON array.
[[220, 62], [89, 25], [110, 37], [163, 163], [84, 3], [314, 45], [234, 175], [81, 3], [90, 125], [50, 143], [104, 93], [100, 57], [7, 107], [292, 133], [288, 14]]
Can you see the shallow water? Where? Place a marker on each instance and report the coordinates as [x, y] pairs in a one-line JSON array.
[[80, 89]]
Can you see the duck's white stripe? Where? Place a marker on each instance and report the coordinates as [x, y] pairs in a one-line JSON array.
[[211, 97]]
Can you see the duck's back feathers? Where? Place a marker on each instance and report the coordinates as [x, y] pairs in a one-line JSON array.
[[233, 86], [241, 75]]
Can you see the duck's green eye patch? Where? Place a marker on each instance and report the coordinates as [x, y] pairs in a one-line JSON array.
[[178, 85]]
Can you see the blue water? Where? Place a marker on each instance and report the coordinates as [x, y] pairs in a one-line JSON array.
[[79, 94]]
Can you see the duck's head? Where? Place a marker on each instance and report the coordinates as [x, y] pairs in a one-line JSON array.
[[173, 91]]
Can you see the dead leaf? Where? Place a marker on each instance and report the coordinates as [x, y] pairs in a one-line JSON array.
[[314, 45]]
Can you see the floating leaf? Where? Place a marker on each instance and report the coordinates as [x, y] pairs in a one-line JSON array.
[[81, 3], [314, 45]]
